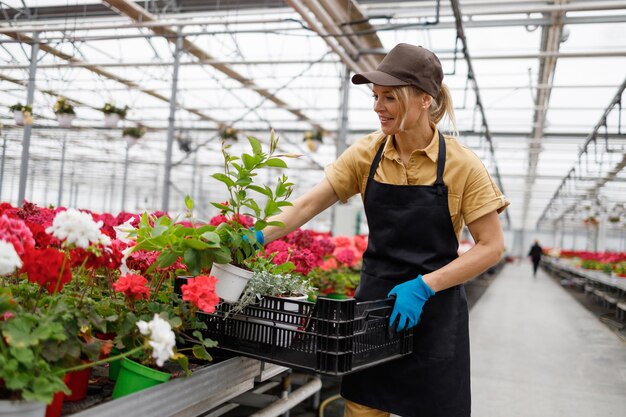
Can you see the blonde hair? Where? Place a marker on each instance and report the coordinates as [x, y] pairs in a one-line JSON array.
[[438, 109]]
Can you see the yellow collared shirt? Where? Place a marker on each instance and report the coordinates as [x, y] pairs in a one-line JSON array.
[[471, 190]]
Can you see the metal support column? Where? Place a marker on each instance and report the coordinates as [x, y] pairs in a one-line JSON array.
[[194, 172], [34, 50], [340, 143], [165, 202], [4, 151], [63, 146], [122, 208]]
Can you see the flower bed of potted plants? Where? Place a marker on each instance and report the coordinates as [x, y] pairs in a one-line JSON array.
[[64, 111], [113, 114]]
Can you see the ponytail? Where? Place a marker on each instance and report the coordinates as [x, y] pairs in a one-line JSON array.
[[442, 106]]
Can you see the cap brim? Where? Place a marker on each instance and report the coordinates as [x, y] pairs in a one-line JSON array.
[[377, 77]]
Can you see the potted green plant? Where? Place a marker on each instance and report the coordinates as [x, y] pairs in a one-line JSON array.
[[113, 114], [132, 134], [313, 139], [29, 378], [64, 111], [241, 179], [21, 113]]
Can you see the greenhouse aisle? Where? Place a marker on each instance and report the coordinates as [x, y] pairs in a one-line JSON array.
[[536, 351]]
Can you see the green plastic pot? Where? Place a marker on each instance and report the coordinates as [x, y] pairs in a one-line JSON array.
[[134, 377], [114, 366]]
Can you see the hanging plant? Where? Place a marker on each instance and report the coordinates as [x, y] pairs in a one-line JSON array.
[[22, 114], [134, 132], [614, 219], [591, 221], [313, 139], [113, 115], [63, 106], [228, 134]]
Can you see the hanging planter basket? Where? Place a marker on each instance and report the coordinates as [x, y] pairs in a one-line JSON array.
[[313, 139], [111, 120], [65, 119], [19, 118]]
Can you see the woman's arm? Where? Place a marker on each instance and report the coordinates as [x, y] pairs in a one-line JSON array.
[[304, 208], [487, 233]]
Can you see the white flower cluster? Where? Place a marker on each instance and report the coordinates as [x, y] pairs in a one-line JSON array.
[[9, 259], [162, 338], [75, 227]]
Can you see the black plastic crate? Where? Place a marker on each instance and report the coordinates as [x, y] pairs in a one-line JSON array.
[[331, 337]]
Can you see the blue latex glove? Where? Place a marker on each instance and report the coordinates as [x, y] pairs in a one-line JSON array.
[[260, 237], [410, 299]]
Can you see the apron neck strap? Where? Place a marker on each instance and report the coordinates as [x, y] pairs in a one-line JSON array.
[[441, 160]]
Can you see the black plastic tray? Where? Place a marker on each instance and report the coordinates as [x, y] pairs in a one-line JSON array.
[[331, 337]]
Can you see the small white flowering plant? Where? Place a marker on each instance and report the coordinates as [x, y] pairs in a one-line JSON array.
[[9, 259]]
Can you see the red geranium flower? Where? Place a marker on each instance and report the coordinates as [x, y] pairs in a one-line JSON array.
[[134, 287], [14, 231], [200, 291], [43, 266]]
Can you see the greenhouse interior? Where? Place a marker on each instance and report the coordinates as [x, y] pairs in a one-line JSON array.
[[149, 147]]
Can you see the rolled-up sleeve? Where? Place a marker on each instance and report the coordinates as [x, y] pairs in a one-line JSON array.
[[344, 176], [481, 195]]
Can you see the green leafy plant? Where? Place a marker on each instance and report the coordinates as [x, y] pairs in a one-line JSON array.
[[20, 107], [109, 108], [63, 106], [197, 246], [134, 132], [241, 179], [317, 135]]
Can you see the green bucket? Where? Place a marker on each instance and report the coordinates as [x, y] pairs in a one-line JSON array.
[[114, 366], [135, 377]]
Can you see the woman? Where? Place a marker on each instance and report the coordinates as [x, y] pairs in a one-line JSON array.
[[418, 187]]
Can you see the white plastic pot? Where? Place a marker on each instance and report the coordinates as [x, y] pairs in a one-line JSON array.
[[19, 117], [111, 120], [231, 281], [22, 408], [130, 140], [65, 119]]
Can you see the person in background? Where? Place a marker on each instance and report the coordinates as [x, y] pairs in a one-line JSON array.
[[535, 256], [418, 188]]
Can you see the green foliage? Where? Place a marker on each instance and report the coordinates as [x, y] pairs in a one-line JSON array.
[[134, 132], [20, 107], [63, 106], [109, 108], [26, 339], [197, 247], [250, 196]]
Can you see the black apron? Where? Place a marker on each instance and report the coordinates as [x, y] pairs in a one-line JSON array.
[[411, 233]]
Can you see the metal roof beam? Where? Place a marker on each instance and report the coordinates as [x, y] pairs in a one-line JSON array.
[[138, 13]]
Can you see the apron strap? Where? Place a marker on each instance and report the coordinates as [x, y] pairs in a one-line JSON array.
[[376, 160], [441, 160]]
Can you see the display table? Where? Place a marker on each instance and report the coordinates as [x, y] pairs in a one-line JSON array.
[[205, 390]]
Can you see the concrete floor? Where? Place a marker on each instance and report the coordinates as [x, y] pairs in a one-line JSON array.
[[537, 352]]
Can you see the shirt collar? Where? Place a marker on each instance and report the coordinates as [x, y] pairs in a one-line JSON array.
[[431, 151]]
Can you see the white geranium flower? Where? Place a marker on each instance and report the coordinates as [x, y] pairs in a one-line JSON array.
[[78, 228], [123, 230], [9, 259], [162, 338]]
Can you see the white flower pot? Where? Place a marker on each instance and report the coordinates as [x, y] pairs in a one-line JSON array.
[[22, 408], [231, 281], [65, 119], [111, 120], [131, 140], [19, 117]]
